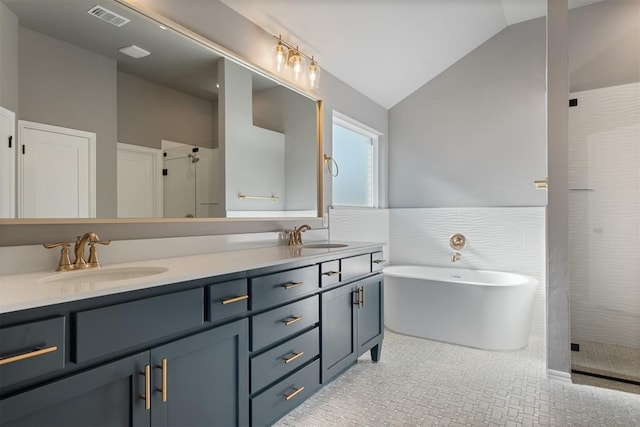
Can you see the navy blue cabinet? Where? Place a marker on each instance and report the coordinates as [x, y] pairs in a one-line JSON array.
[[352, 324], [235, 350], [109, 395], [199, 380], [203, 379]]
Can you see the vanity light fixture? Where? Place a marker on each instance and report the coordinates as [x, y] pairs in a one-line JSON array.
[[287, 56]]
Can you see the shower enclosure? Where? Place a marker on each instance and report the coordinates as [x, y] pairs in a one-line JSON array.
[[604, 231]]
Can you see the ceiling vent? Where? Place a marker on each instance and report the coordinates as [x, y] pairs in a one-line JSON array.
[[108, 16]]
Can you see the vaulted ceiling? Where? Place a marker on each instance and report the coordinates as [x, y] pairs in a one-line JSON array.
[[386, 49]]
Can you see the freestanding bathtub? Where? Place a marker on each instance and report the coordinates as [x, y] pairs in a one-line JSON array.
[[483, 309]]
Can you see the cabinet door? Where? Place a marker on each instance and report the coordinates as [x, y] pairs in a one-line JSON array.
[[370, 321], [203, 379], [338, 331], [108, 395]]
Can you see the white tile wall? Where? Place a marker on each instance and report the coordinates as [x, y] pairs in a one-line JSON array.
[[360, 225], [502, 239]]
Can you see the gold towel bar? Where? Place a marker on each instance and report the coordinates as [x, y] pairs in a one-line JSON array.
[[272, 197]]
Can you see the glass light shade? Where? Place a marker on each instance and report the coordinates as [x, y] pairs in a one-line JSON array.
[[296, 64], [281, 55], [314, 75]]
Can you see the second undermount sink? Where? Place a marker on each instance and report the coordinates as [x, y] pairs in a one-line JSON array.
[[325, 245], [103, 275]]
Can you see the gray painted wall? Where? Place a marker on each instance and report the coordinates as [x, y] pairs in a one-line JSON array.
[[254, 157], [149, 112], [64, 85], [604, 45], [475, 134], [8, 59], [285, 111]]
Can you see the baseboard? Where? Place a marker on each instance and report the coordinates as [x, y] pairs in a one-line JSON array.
[[564, 377]]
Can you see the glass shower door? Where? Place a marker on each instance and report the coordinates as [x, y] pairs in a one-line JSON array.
[[604, 231]]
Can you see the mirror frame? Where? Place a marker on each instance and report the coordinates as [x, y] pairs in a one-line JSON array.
[[28, 231]]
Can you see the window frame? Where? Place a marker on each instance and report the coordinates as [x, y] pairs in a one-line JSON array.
[[353, 125]]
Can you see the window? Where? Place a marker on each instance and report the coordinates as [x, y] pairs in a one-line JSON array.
[[355, 149]]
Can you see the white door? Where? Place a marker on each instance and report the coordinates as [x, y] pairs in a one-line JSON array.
[[139, 181], [7, 163], [56, 172]]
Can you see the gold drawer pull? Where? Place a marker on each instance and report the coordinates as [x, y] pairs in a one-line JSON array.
[[27, 355], [293, 394], [292, 320], [292, 285], [163, 390], [379, 261], [235, 299], [293, 357], [147, 387], [332, 273]]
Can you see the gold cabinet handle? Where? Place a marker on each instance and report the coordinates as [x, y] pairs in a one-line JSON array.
[[379, 261], [27, 355], [360, 297], [292, 285], [292, 320], [234, 299], [362, 290], [293, 357], [163, 390], [147, 387], [293, 393], [332, 273]]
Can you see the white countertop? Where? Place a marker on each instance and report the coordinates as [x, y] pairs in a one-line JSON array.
[[23, 291]]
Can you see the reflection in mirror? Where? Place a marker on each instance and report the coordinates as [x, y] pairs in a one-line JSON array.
[[119, 116]]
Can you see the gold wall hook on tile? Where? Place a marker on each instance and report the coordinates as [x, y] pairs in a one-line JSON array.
[[541, 184]]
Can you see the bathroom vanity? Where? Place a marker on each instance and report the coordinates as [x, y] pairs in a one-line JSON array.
[[235, 338]]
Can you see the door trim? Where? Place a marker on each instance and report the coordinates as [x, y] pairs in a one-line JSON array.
[[12, 166]]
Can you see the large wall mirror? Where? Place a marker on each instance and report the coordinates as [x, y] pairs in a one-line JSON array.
[[118, 116]]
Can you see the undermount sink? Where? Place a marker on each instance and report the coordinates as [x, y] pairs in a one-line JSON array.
[[325, 245], [103, 275]]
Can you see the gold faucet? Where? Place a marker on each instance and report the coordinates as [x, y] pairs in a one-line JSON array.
[[65, 263], [295, 235], [81, 242]]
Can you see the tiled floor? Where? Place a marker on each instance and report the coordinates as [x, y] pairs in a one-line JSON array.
[[427, 383], [607, 359]]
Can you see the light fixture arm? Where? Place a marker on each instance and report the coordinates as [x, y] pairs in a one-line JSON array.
[[295, 48]]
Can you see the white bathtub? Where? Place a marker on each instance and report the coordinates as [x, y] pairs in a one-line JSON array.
[[483, 309]]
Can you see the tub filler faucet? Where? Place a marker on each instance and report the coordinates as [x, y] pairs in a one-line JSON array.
[[456, 257]]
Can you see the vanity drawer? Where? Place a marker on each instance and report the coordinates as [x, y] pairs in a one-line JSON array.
[[377, 261], [110, 329], [276, 401], [279, 323], [329, 273], [31, 349], [283, 359], [283, 286], [228, 299], [355, 266]]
